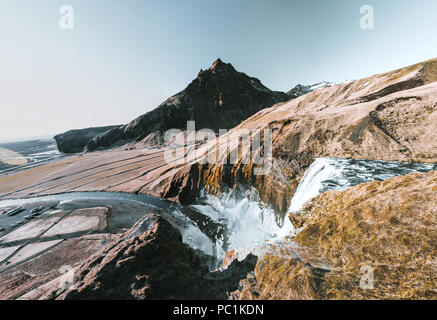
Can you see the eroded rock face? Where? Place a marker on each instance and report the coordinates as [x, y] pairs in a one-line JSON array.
[[391, 116], [151, 262], [219, 98], [74, 141], [387, 226]]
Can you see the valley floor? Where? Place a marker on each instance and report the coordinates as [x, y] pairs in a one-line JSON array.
[[116, 171], [68, 249]]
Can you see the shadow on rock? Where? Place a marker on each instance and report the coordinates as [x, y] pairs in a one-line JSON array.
[[150, 261]]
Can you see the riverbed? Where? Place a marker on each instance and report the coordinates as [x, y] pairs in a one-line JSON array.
[[215, 224]]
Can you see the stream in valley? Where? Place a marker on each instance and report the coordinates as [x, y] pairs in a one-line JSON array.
[[237, 219]]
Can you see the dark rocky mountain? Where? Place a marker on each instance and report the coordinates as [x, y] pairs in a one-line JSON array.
[[150, 262], [74, 141], [219, 98]]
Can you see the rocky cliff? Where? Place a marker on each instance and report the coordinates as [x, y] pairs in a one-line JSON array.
[[74, 141], [150, 262], [100, 249], [386, 226], [219, 98], [390, 116], [382, 232]]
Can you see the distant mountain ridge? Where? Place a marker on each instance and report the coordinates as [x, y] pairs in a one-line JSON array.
[[301, 90], [219, 98], [74, 141]]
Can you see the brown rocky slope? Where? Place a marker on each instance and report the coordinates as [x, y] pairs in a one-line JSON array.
[[389, 226], [339, 121], [390, 116]]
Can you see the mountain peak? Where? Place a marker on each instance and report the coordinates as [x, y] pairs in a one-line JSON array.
[[217, 64], [219, 98]]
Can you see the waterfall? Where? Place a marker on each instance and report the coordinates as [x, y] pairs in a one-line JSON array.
[[249, 223], [246, 219], [237, 219], [312, 183], [339, 174]]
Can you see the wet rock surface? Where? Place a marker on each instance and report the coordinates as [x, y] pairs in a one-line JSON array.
[[107, 249], [151, 262]]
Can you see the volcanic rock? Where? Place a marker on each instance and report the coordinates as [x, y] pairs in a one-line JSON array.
[[151, 262], [219, 98], [390, 116], [74, 141]]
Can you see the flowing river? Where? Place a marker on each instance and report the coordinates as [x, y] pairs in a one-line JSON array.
[[237, 219]]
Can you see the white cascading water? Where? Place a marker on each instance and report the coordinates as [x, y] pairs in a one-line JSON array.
[[312, 183], [192, 236], [249, 224], [340, 174], [247, 221]]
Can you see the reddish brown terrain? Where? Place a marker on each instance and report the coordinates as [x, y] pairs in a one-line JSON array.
[[389, 225], [391, 116], [101, 253]]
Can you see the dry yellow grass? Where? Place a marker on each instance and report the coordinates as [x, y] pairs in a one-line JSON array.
[[389, 226]]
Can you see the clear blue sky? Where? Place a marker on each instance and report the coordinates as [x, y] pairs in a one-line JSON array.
[[125, 57]]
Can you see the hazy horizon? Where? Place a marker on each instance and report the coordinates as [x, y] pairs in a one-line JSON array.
[[125, 58]]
